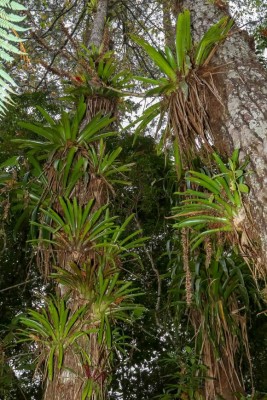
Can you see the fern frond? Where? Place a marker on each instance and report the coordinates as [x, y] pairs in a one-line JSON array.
[[10, 37], [13, 5], [9, 25], [9, 47], [11, 17]]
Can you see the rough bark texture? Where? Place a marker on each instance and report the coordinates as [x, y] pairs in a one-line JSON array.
[[241, 123], [67, 384], [99, 23], [169, 30]]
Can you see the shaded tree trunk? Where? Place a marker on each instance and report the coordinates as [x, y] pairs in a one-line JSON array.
[[222, 376]]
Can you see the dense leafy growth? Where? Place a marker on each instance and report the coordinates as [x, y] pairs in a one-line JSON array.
[[136, 270]]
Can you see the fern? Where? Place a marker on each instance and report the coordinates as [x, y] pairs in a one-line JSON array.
[[9, 24]]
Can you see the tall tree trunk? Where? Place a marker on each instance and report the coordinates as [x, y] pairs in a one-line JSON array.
[[68, 383], [99, 23], [241, 122], [238, 120], [169, 31]]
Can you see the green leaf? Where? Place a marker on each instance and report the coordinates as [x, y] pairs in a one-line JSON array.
[[170, 58], [11, 162], [92, 131], [50, 363], [183, 42], [44, 132], [7, 77], [155, 55], [212, 37], [243, 188], [46, 116]]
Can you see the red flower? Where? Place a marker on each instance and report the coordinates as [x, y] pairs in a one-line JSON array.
[[78, 79]]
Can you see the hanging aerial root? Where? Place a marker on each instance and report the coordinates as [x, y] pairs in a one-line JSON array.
[[188, 116], [188, 276], [100, 104]]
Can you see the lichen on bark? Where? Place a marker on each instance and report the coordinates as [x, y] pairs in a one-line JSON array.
[[242, 120]]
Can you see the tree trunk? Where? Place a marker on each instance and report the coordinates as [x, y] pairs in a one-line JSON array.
[[69, 382], [238, 120], [241, 121], [169, 31], [222, 376], [99, 23]]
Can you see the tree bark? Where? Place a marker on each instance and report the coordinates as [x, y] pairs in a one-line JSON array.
[[241, 121], [238, 120], [99, 24], [169, 31], [70, 381]]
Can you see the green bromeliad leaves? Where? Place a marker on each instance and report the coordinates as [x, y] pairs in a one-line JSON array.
[[55, 329], [106, 165], [76, 227], [65, 133], [100, 76], [217, 290], [85, 235], [70, 151], [176, 67], [106, 294], [183, 42], [216, 34], [213, 204], [64, 158]]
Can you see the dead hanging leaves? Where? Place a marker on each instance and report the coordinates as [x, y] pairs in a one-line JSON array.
[[188, 118], [24, 56], [188, 76]]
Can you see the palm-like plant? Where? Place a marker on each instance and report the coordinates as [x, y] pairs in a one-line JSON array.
[[106, 165], [89, 276], [100, 82], [212, 217], [64, 134], [100, 75], [74, 232], [92, 280], [179, 90]]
